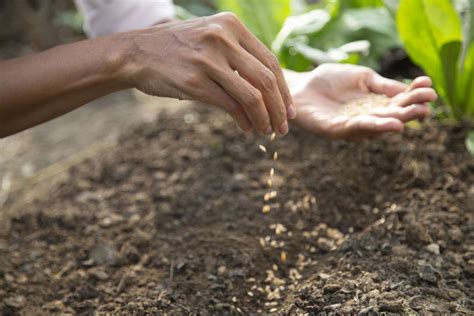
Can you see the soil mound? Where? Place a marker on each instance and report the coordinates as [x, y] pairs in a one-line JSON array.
[[171, 221]]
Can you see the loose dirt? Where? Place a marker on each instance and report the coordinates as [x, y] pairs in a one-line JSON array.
[[171, 221]]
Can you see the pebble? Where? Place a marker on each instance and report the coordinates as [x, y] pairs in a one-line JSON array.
[[433, 248]]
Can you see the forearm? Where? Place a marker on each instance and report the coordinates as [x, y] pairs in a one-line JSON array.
[[37, 88]]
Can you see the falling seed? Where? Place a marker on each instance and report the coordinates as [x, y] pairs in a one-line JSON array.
[[266, 209], [272, 138], [262, 242], [250, 293], [283, 256], [270, 195], [262, 148], [272, 172], [275, 155], [270, 183]]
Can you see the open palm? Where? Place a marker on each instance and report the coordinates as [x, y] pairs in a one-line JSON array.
[[320, 96]]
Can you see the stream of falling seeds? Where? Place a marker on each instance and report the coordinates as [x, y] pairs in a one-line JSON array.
[[271, 194]]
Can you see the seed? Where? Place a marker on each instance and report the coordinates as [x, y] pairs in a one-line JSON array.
[[275, 155], [270, 195], [270, 183], [272, 138], [262, 242], [279, 228], [272, 172], [283, 256], [262, 148], [266, 209], [250, 293]]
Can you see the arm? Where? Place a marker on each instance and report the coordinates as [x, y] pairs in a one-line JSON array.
[[214, 60], [39, 87]]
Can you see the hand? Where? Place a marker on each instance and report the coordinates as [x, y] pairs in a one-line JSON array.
[[321, 94], [214, 60]]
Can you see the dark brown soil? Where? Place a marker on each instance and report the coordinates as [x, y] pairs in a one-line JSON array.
[[170, 221]]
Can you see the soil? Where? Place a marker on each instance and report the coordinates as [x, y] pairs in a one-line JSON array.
[[170, 221]]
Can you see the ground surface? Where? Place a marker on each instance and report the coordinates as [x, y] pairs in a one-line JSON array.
[[170, 220]]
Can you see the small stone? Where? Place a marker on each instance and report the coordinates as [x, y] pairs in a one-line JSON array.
[[221, 270], [15, 301], [433, 248]]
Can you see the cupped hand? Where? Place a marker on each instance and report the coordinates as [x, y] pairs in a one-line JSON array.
[[215, 60], [321, 95]]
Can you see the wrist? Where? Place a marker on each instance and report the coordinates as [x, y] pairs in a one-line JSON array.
[[119, 60]]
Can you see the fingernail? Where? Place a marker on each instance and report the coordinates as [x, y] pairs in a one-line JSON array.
[[291, 112], [269, 130], [283, 128]]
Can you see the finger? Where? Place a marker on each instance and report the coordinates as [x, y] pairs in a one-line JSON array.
[[417, 96], [222, 99], [264, 80], [249, 98], [368, 124], [420, 82], [381, 85], [252, 45], [404, 114]]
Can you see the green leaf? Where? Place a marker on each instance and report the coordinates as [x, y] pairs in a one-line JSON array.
[[319, 30], [425, 27], [264, 18], [449, 54], [470, 142]]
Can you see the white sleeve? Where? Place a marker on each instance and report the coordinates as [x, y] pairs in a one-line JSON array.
[[103, 17]]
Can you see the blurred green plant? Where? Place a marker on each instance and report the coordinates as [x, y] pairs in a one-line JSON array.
[[442, 44], [69, 18], [351, 31], [440, 39], [342, 31], [264, 18], [470, 142]]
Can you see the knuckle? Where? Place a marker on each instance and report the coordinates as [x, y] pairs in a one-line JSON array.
[[273, 63], [192, 79], [214, 31], [253, 98], [267, 80], [228, 17], [203, 61]]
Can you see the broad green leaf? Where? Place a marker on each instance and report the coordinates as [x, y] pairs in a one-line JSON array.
[[449, 54], [425, 26], [470, 142], [264, 18], [465, 93], [466, 85]]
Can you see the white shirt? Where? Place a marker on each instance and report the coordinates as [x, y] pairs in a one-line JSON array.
[[104, 17]]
